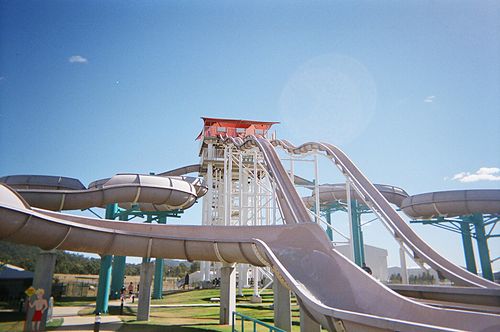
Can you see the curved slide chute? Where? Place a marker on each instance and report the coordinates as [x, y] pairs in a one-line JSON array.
[[372, 197], [148, 192], [330, 193], [334, 291], [452, 203]]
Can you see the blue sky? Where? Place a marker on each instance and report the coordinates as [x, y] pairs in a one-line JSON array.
[[409, 90]]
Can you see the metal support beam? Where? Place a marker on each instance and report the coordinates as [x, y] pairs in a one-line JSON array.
[[103, 287], [316, 189], [158, 279], [329, 231], [118, 269], [470, 260], [357, 239], [104, 283], [349, 213], [117, 276], [482, 246]]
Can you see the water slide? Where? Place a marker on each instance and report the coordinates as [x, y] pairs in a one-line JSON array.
[[147, 192], [373, 198], [328, 285], [331, 193], [334, 291], [451, 203]]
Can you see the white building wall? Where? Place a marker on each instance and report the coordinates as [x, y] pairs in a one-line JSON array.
[[376, 259]]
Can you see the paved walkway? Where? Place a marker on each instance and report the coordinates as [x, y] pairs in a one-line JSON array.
[[73, 322]]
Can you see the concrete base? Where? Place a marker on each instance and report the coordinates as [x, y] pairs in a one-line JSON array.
[[282, 306], [227, 294], [307, 324], [44, 271], [147, 270]]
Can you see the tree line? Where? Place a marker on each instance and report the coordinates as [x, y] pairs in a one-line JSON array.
[[70, 263]]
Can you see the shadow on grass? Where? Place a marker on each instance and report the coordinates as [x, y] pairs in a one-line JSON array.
[[89, 327], [168, 328], [127, 311], [12, 316]]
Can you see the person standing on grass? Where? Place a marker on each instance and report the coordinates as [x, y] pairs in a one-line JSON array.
[[130, 289], [40, 305], [186, 281]]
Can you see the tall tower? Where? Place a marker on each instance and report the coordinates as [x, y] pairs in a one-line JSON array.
[[240, 191]]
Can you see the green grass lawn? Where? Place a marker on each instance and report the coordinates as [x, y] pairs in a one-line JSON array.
[[14, 322], [74, 301], [197, 318], [183, 319]]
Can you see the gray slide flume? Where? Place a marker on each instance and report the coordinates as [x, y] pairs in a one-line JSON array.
[[332, 289]]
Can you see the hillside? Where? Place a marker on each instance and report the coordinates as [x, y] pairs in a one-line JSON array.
[[69, 263]]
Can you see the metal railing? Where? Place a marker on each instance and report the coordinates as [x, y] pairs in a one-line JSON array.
[[255, 322]]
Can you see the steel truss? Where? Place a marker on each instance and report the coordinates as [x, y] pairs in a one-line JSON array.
[[240, 193]]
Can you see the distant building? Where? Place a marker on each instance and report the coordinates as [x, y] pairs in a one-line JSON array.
[[13, 281], [412, 271], [376, 260]]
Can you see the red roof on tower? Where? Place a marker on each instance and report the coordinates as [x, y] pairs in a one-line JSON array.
[[233, 127]]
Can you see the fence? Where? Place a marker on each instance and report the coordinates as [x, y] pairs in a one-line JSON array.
[[255, 322]]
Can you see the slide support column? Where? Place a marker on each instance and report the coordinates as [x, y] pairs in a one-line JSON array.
[[307, 324], [105, 270], [104, 283], [44, 271], [227, 294], [145, 290], [119, 263], [117, 276], [482, 246], [357, 239], [282, 306], [470, 261], [158, 280], [329, 231]]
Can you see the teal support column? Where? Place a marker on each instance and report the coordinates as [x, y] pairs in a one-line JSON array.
[[118, 270], [329, 232], [470, 261], [118, 275], [361, 243], [356, 234], [105, 270], [158, 279], [482, 246], [103, 287]]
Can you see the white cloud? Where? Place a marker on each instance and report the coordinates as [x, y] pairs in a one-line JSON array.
[[482, 174], [77, 59], [429, 99]]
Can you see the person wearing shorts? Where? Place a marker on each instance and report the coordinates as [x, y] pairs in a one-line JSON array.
[[40, 305]]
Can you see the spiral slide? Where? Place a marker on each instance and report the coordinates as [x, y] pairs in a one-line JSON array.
[[332, 290], [147, 192]]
